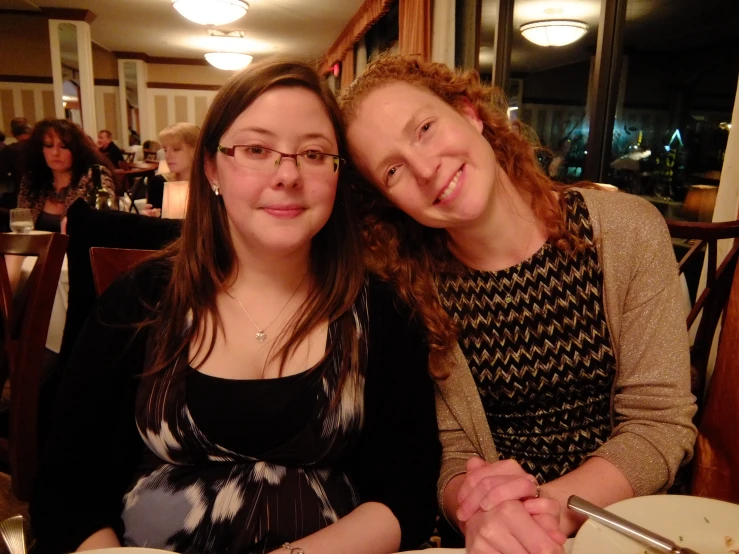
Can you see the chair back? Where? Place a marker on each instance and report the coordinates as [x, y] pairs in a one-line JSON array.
[[25, 321], [150, 155], [712, 301], [110, 263], [716, 464], [129, 157]]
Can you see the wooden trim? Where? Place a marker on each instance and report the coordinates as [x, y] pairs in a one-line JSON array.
[[31, 13], [106, 82], [159, 59], [181, 86], [71, 14], [603, 95], [25, 79]]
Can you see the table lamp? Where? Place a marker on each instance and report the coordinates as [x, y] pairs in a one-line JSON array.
[[699, 203], [174, 199]]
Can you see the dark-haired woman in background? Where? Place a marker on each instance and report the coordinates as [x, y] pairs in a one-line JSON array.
[[60, 167]]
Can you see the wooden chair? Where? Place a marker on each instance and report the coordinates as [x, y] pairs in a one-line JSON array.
[[129, 157], [150, 156], [716, 463], [712, 301], [25, 321], [110, 263]]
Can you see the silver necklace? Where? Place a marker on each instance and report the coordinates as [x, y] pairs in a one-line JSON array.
[[261, 335]]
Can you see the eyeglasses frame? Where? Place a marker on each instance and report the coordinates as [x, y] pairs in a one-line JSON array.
[[231, 151]]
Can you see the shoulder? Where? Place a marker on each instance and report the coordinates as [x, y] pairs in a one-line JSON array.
[[138, 289], [628, 216]]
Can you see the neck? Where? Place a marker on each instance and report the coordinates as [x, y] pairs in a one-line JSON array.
[[181, 176], [61, 179], [505, 234], [268, 271]]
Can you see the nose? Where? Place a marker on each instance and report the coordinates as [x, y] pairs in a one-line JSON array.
[[423, 166], [288, 174]]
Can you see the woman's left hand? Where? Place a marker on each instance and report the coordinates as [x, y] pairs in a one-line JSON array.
[[487, 485]]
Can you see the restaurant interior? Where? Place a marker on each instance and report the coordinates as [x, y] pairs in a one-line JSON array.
[[636, 95]]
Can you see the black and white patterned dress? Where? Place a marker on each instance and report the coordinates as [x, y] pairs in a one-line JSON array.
[[194, 495]]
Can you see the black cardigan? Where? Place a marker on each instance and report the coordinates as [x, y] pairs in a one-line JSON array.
[[95, 447]]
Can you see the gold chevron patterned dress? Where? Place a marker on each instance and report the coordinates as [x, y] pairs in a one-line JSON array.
[[536, 340]]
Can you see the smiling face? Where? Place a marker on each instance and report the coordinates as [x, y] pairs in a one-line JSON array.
[[58, 157], [104, 139], [179, 158], [277, 210], [426, 157]]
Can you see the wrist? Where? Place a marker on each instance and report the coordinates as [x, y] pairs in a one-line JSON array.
[[287, 547]]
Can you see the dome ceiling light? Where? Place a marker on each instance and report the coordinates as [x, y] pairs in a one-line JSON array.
[[211, 12], [554, 32]]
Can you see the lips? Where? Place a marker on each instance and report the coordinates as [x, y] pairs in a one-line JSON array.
[[449, 189], [287, 211]]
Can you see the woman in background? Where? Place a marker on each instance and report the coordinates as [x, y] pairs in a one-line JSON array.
[[62, 164], [554, 312], [178, 141], [249, 391]]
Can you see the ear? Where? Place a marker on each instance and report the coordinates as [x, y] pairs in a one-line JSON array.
[[211, 171], [468, 110]]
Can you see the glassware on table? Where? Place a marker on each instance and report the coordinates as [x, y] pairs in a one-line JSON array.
[[21, 220]]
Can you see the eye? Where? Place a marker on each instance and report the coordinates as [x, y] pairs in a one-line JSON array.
[[313, 154], [426, 127], [392, 175]]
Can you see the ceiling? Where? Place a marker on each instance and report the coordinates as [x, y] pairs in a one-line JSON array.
[[305, 28], [654, 25]]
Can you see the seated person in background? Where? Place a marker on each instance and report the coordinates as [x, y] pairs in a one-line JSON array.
[[12, 163], [61, 165], [109, 148], [150, 150], [179, 141], [248, 388], [554, 312]]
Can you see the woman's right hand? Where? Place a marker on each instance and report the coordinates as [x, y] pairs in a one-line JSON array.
[[150, 211], [515, 527]]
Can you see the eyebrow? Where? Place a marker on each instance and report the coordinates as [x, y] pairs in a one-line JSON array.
[[263, 131], [407, 130]]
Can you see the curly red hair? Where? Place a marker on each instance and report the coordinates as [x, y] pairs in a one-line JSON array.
[[404, 252]]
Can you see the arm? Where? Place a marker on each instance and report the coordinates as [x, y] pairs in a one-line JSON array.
[[94, 445], [351, 534], [397, 460]]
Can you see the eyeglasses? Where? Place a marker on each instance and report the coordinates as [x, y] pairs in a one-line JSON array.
[[259, 157]]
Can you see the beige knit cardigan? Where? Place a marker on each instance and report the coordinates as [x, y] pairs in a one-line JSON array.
[[651, 403]]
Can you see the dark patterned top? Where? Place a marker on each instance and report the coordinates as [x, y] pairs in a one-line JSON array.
[[536, 340], [208, 497]]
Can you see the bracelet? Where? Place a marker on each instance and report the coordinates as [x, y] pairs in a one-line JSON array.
[[293, 550]]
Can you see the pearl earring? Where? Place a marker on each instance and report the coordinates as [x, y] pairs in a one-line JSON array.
[[216, 190]]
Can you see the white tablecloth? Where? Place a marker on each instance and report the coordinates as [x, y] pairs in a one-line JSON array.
[[568, 549], [61, 301]]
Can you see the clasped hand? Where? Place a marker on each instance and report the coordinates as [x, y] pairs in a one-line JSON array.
[[501, 515]]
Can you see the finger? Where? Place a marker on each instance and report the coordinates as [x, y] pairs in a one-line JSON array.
[[551, 527], [543, 506], [475, 462], [524, 528], [474, 476], [514, 489]]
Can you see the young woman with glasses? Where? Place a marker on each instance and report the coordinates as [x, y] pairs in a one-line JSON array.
[[249, 390]]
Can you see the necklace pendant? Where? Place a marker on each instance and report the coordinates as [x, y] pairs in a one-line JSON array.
[[261, 336], [508, 298]]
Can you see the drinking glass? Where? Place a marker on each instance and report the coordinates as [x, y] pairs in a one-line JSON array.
[[21, 220]]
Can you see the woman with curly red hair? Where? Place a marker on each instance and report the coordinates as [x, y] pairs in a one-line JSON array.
[[553, 313]]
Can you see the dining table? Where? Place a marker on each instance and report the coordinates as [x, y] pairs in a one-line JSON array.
[[125, 177]]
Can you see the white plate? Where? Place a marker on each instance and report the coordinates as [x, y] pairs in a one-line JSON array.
[[702, 523]]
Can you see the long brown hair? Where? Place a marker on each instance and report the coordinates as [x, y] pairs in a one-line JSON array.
[[404, 252], [204, 261]]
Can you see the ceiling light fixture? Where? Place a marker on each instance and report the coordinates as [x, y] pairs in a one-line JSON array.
[[211, 12], [554, 32], [228, 61]]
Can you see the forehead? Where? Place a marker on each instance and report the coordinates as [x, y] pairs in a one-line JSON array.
[[51, 135], [285, 111], [391, 100]]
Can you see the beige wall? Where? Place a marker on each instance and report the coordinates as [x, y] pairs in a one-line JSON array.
[[187, 74], [24, 44], [104, 63]]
